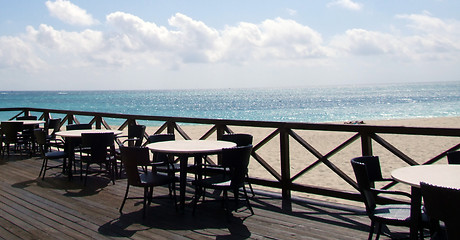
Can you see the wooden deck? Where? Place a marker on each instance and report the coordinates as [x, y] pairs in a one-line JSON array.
[[54, 208]]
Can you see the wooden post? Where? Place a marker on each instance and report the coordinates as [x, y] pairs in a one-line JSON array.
[[285, 164], [171, 127], [366, 144], [98, 122]]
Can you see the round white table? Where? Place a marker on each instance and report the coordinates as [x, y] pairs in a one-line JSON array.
[[29, 122], [436, 174], [189, 148], [440, 175], [69, 135]]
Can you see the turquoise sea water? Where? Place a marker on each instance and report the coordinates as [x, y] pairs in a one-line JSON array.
[[312, 104]]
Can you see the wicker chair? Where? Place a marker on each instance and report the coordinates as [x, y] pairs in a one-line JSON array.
[[137, 163], [441, 203], [236, 160], [101, 150], [389, 214], [43, 145]]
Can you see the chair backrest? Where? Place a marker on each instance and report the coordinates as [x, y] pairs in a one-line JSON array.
[[26, 118], [80, 126], [373, 168], [136, 131], [237, 160], [40, 138], [241, 139], [53, 124], [10, 131], [364, 185], [453, 157], [132, 158], [442, 204], [100, 144], [160, 157]]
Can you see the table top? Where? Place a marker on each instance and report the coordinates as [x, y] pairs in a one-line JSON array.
[[445, 175], [190, 146], [77, 133], [29, 122]]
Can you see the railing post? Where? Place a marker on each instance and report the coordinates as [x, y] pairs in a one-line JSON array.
[[170, 127], [366, 144], [70, 119], [98, 122], [220, 129], [285, 164]]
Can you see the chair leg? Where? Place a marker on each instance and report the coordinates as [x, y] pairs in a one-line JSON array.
[[371, 230], [124, 199], [86, 173], [146, 192], [379, 230], [43, 166], [197, 197], [250, 186], [247, 200]]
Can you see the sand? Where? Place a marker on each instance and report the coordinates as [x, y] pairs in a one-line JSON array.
[[419, 148]]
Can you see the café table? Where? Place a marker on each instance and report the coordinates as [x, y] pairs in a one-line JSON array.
[[437, 174], [189, 148], [29, 122], [71, 135], [30, 125]]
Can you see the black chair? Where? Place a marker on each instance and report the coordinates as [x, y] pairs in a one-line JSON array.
[[236, 160], [141, 173], [52, 126], [100, 150], [373, 168], [28, 131], [389, 214], [78, 126], [162, 157], [12, 135], [134, 138], [44, 147], [453, 157], [441, 203], [241, 139]]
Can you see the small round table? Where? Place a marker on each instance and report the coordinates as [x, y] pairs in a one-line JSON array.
[[73, 134], [189, 148], [437, 174]]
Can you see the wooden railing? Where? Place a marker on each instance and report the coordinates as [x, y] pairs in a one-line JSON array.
[[278, 172]]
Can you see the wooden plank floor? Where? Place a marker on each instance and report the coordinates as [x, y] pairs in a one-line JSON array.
[[54, 208]]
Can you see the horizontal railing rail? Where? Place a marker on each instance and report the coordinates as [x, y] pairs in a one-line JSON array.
[[278, 172]]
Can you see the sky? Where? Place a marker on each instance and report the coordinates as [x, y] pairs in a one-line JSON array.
[[171, 44]]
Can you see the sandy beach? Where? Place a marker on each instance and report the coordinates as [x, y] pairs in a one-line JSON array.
[[419, 148]]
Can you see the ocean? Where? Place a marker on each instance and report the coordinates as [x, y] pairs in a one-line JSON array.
[[308, 104]]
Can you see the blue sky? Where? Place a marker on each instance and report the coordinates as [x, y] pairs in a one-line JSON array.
[[114, 44]]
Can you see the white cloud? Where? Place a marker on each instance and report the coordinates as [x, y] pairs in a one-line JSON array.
[[70, 13], [432, 38], [16, 53], [348, 4], [131, 43]]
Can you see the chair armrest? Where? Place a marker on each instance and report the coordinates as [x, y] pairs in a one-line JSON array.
[[130, 140], [381, 191]]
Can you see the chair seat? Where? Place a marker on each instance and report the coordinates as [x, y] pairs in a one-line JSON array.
[[397, 212], [153, 179], [215, 182], [55, 155]]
